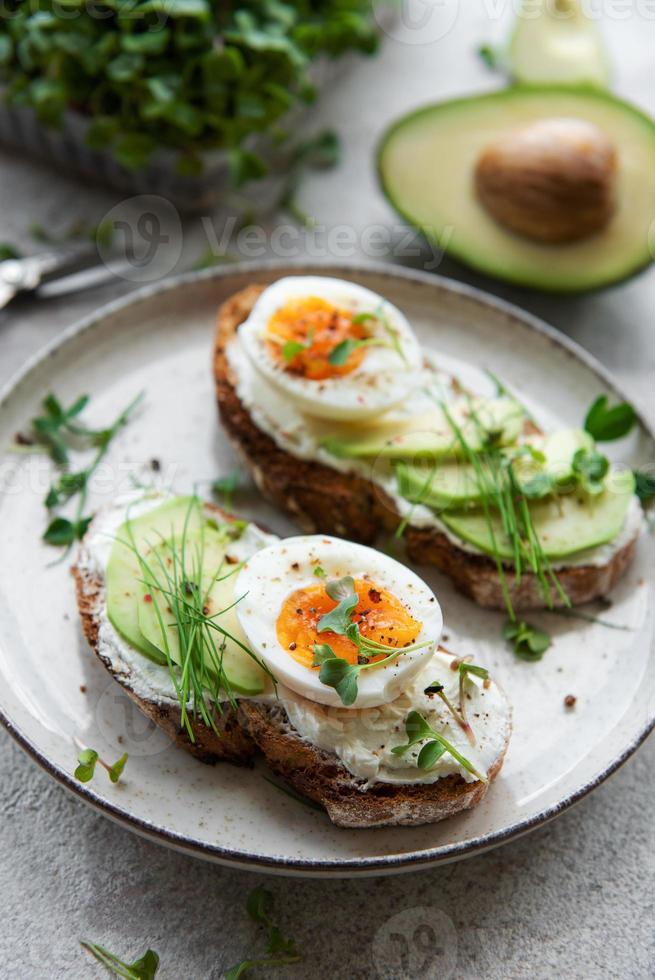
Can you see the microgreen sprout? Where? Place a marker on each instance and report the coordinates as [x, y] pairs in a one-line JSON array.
[[342, 351], [418, 730], [144, 968], [528, 642], [291, 348], [87, 761], [280, 951], [56, 432], [465, 670], [335, 671]]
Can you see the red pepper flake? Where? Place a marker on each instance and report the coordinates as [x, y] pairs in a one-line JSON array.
[[205, 610], [295, 566], [147, 597], [570, 701], [374, 595], [293, 645], [231, 560]]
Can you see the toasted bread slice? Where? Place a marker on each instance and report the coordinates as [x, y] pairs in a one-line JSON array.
[[320, 776], [229, 741], [327, 501]]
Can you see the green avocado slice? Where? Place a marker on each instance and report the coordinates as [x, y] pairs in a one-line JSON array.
[[431, 436], [452, 484], [564, 524], [206, 551], [426, 164], [123, 572], [557, 43]]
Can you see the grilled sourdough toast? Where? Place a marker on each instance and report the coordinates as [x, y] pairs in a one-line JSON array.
[[322, 777], [264, 726], [328, 501]]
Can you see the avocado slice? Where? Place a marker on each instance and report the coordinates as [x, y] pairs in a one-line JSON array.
[[556, 43], [564, 524], [447, 485], [206, 549], [431, 436], [452, 485], [123, 572], [426, 165]]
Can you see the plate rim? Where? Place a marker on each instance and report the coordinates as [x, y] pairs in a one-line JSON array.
[[348, 867]]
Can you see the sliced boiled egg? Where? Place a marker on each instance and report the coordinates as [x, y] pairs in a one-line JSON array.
[[284, 594], [336, 349]]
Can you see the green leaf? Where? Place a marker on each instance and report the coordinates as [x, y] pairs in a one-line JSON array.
[[644, 486], [244, 166], [338, 619], [87, 760], [342, 676], [605, 423], [341, 588], [116, 771], [340, 354], [291, 349], [467, 668], [491, 55], [430, 754], [320, 572], [259, 905], [144, 968], [416, 727], [238, 971], [529, 643], [591, 469], [8, 251], [60, 531], [323, 652], [225, 487], [320, 153]]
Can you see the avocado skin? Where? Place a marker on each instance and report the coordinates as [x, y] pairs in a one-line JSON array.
[[541, 277]]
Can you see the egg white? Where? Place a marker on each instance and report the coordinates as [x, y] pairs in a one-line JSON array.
[[273, 573], [382, 380]]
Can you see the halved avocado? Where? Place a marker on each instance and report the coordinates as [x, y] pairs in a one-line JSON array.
[[427, 163], [557, 43]]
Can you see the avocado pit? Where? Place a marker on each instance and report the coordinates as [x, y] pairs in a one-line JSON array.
[[553, 181]]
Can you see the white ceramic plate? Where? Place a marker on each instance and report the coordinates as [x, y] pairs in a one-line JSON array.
[[52, 690]]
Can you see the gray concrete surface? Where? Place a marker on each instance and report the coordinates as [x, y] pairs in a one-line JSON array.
[[575, 898]]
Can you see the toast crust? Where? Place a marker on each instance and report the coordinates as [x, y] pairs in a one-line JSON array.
[[326, 501], [321, 777]]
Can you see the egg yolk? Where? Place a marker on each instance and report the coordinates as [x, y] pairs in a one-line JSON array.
[[303, 333], [379, 614]]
